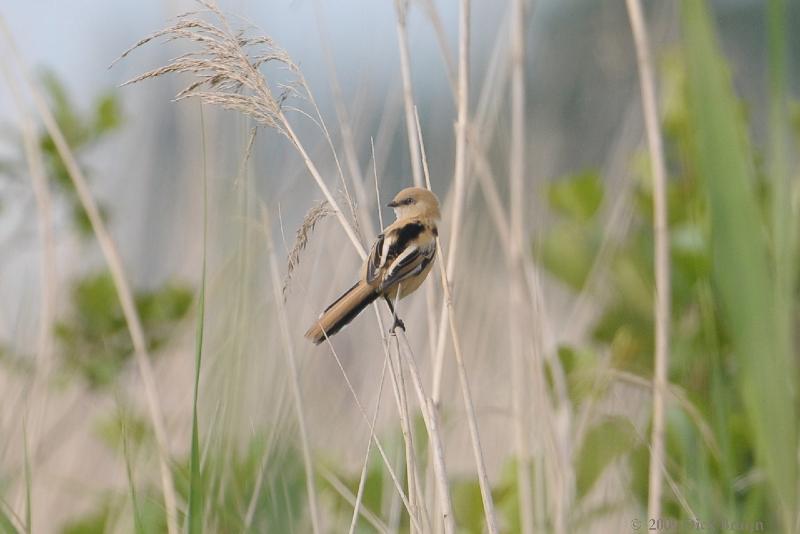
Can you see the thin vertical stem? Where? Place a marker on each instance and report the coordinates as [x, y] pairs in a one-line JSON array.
[[295, 381], [112, 257], [460, 173], [432, 426], [662, 297], [373, 436], [401, 7], [37, 395], [317, 176], [469, 407], [364, 469], [195, 512], [516, 287]]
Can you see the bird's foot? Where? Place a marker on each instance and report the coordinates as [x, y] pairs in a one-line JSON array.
[[397, 322]]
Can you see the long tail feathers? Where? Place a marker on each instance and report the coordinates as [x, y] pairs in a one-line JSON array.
[[341, 312]]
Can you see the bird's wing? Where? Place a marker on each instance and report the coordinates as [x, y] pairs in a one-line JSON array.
[[410, 262], [377, 258]]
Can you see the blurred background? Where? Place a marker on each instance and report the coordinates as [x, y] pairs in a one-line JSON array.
[[202, 215]]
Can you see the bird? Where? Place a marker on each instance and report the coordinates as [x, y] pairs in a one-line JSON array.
[[399, 261]]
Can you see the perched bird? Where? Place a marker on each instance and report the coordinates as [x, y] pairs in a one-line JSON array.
[[399, 261]]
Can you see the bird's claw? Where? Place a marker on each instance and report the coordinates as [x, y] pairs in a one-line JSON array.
[[397, 322]]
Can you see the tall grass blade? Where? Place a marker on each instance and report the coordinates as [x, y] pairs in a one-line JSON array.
[[126, 453], [195, 513], [741, 265], [784, 219]]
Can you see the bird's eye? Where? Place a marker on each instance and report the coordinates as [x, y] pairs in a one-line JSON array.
[[409, 201]]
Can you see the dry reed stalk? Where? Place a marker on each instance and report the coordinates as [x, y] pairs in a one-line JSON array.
[[478, 134], [363, 477], [430, 418], [377, 187], [483, 478], [662, 275], [415, 498], [401, 8], [347, 495], [517, 310], [441, 38], [345, 128], [458, 206], [295, 379], [430, 295], [431, 430], [318, 212], [37, 397], [406, 425], [320, 121], [430, 298], [373, 436], [227, 71], [432, 403], [114, 261], [491, 80]]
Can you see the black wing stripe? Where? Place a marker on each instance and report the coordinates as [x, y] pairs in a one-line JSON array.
[[405, 235], [408, 267], [375, 259]]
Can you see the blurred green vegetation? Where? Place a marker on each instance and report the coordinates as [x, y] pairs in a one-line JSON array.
[[94, 338], [728, 353], [82, 131], [260, 488]]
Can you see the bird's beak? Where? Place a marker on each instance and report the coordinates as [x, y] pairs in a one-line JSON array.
[[392, 204]]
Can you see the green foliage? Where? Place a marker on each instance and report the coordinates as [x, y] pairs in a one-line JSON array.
[[373, 497], [604, 443], [82, 131], [742, 269], [580, 368], [6, 525], [568, 249], [578, 197], [729, 351], [94, 338], [267, 475], [121, 425], [468, 505], [271, 472], [95, 522], [106, 513]]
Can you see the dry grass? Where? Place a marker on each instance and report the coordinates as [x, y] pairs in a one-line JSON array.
[[314, 215]]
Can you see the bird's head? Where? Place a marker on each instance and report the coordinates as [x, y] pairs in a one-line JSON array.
[[415, 202]]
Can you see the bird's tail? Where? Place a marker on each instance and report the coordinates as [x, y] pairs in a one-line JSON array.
[[341, 312]]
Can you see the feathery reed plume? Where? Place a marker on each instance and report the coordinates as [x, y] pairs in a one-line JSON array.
[[315, 214], [227, 67]]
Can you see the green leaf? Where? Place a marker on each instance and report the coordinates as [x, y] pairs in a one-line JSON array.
[[468, 506], [741, 271], [95, 522], [107, 114], [6, 526], [580, 368], [578, 197], [94, 339], [568, 251], [604, 443]]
